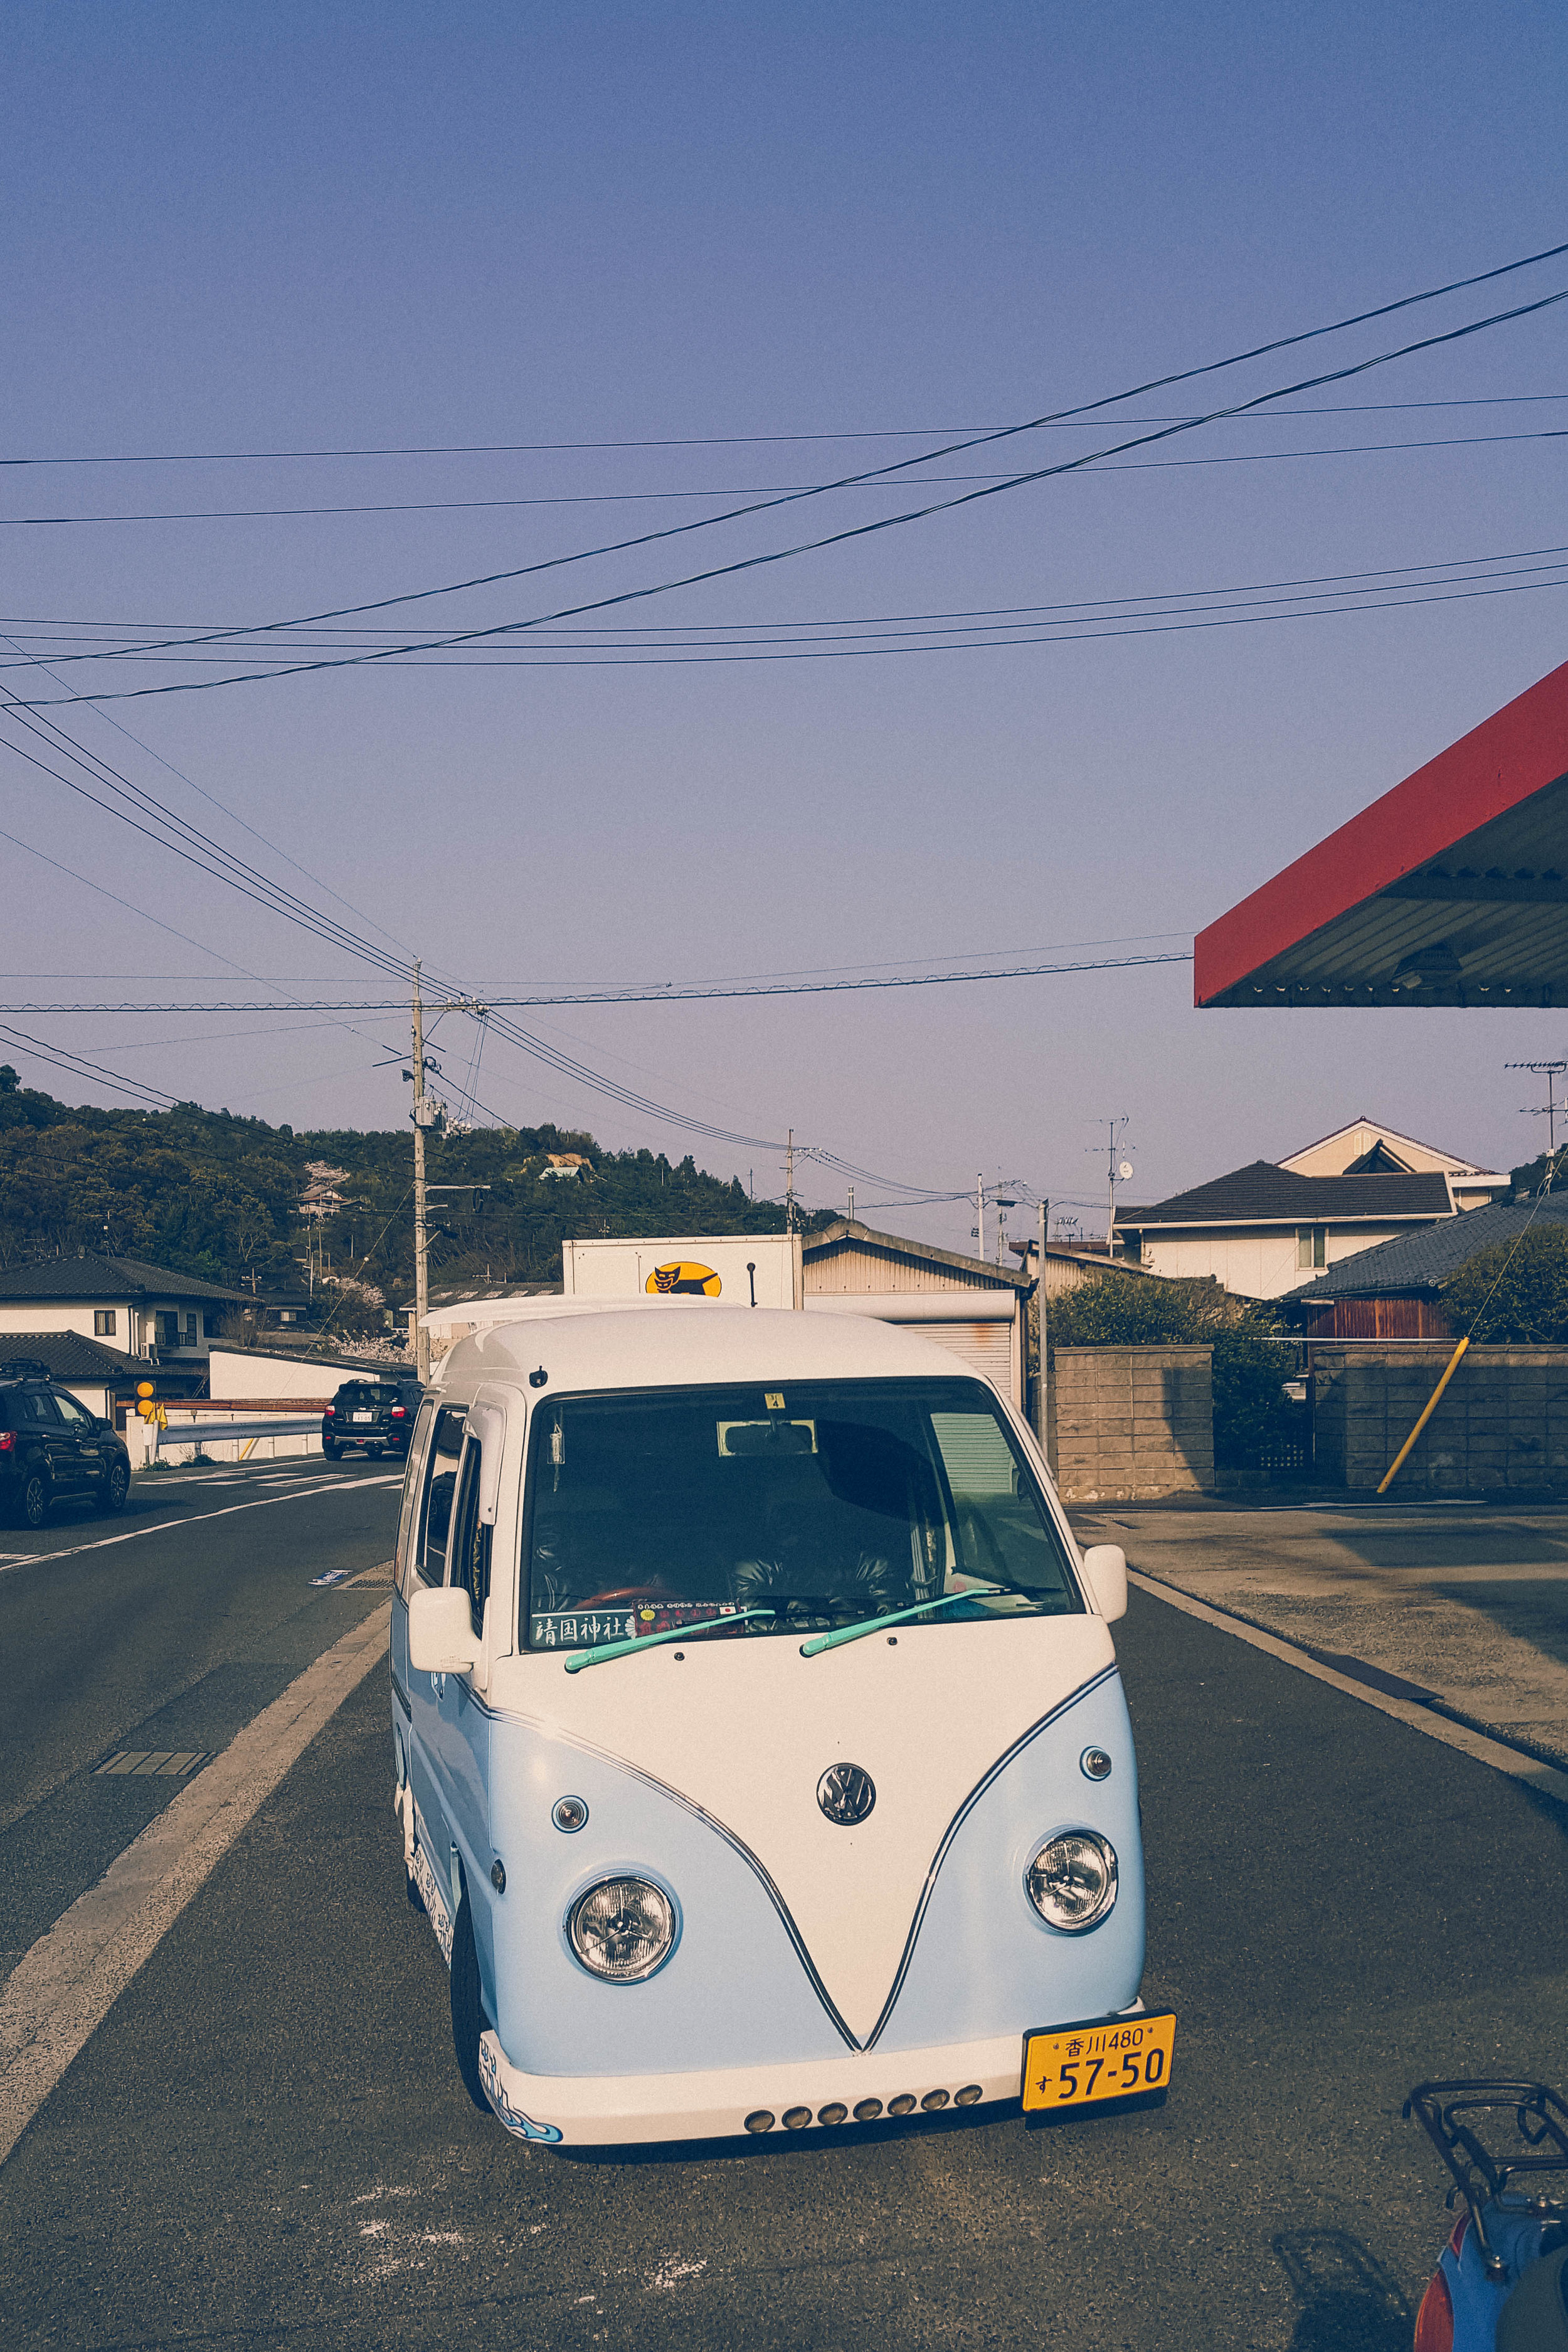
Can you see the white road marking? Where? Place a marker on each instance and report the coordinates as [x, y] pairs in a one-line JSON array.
[[1534, 1774], [63, 1988], [322, 1486]]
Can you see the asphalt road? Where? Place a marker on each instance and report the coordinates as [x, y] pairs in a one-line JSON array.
[[1466, 1600], [265, 2143], [168, 1628]]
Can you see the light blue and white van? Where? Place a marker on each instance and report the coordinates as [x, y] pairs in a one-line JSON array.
[[761, 1755]]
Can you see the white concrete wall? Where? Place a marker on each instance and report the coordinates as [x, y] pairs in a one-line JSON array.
[[92, 1394], [233, 1372]]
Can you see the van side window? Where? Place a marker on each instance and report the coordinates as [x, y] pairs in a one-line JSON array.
[[440, 1493], [413, 1494], [469, 1549]]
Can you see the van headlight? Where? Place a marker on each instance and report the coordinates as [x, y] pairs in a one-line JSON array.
[[622, 1930], [1071, 1881]]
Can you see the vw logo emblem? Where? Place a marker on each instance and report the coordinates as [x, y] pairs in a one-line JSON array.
[[845, 1795]]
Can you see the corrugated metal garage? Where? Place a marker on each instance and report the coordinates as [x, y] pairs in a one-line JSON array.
[[964, 1304]]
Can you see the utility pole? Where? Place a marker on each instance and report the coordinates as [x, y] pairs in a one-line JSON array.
[[851, 1204], [427, 1113], [1115, 1174], [421, 1249], [1042, 1395], [980, 1214], [789, 1181], [1003, 1205]]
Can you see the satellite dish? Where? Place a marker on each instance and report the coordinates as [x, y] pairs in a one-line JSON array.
[[1125, 1171]]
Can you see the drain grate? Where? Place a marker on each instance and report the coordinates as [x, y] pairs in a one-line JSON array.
[[156, 1763]]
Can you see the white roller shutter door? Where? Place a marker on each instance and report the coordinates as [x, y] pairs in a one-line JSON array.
[[985, 1348], [979, 1327]]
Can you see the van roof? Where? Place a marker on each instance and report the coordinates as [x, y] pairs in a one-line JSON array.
[[676, 1343]]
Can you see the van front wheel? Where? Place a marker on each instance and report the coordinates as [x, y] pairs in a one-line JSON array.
[[469, 2018]]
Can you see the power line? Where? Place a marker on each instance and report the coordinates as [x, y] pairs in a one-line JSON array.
[[131, 803], [1462, 566], [697, 994], [711, 440], [78, 1069], [951, 449], [766, 489], [806, 547], [211, 798], [495, 659], [537, 1048], [883, 963]]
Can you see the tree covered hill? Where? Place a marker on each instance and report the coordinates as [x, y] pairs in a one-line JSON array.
[[220, 1196]]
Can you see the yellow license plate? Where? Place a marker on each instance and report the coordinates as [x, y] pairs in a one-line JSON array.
[[1084, 2065]]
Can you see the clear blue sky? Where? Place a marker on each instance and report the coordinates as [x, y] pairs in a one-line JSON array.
[[329, 228]]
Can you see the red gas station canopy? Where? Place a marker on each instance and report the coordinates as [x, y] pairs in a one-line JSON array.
[[1451, 890]]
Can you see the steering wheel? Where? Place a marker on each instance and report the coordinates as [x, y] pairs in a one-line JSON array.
[[629, 1593]]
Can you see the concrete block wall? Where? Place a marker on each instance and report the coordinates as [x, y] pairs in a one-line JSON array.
[[1502, 1423], [1131, 1423]]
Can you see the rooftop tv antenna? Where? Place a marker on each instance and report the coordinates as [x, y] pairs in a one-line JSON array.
[[1548, 1110]]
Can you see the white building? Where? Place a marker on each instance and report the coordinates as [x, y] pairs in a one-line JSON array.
[[1366, 1147], [1262, 1230], [133, 1309]]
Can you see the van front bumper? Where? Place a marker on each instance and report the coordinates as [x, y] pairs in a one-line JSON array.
[[615, 2110]]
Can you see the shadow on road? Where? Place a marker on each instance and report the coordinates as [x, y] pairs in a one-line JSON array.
[[1348, 2302]]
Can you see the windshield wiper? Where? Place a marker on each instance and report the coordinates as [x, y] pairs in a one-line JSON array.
[[820, 1642], [604, 1650]]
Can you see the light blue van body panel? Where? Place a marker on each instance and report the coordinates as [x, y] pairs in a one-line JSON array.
[[739, 1987], [981, 1959], [733, 1992]]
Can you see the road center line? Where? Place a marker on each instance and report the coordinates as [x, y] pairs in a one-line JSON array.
[[62, 1990], [300, 1494]]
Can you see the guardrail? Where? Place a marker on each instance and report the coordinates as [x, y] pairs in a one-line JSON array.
[[206, 1434], [219, 1432]]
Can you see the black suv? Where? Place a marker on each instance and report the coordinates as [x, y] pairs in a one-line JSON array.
[[52, 1449], [377, 1414]]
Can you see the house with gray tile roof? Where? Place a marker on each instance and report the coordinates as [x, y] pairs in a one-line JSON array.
[[134, 1309], [1394, 1290], [1259, 1228], [96, 1376]]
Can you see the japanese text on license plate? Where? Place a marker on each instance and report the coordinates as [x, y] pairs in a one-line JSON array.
[[1080, 2066]]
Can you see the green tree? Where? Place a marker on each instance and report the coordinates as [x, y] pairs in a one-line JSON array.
[[1518, 1289]]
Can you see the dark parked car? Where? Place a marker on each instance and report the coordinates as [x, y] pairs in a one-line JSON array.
[[377, 1414], [52, 1449]]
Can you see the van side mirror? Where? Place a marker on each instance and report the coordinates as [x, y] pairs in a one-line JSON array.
[[441, 1638], [1105, 1572]]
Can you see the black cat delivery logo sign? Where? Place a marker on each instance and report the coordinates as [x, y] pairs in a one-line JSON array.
[[684, 1279]]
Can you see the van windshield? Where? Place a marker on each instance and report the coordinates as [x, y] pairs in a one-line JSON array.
[[827, 1502]]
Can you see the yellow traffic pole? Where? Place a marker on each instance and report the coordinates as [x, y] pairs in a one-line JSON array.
[[1450, 1370]]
